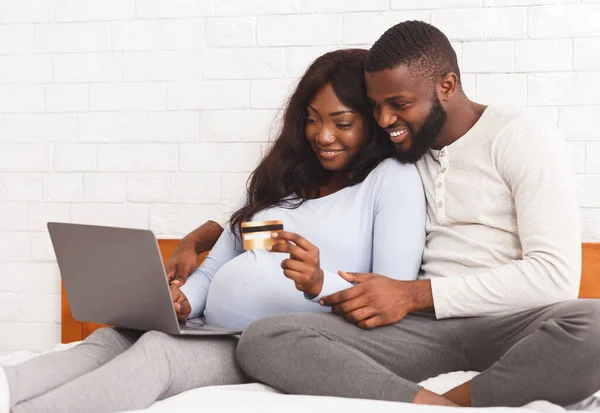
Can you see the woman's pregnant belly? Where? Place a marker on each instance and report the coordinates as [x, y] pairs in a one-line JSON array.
[[252, 286]]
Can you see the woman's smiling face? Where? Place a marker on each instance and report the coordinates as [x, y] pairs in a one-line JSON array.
[[335, 131]]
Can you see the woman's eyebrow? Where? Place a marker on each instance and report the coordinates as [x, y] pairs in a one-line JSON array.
[[341, 112], [313, 109], [336, 113]]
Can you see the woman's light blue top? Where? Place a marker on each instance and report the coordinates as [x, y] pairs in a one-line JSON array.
[[375, 226]]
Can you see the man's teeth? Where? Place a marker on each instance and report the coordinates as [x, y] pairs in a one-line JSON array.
[[397, 133], [329, 152]]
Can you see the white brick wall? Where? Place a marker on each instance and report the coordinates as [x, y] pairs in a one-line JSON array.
[[151, 113], [490, 57]]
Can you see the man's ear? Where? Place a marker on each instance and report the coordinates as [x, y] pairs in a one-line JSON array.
[[448, 86]]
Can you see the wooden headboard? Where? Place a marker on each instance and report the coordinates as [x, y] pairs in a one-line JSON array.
[[73, 330]]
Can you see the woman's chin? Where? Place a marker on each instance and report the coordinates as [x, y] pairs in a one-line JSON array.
[[331, 167]]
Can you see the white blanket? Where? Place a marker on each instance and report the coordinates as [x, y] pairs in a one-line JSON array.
[[257, 398]]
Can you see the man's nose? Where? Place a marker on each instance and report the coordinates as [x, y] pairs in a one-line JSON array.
[[386, 118]]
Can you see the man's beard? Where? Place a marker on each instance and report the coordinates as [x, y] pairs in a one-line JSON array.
[[426, 135]]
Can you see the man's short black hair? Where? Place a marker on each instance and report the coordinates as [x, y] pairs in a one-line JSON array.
[[419, 45]]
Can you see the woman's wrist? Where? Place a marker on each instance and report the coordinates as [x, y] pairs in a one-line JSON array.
[[317, 287]]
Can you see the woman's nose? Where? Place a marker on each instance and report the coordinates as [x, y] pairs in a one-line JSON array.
[[325, 136]]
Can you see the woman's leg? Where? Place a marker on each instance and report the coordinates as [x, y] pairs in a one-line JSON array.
[[157, 366], [45, 373]]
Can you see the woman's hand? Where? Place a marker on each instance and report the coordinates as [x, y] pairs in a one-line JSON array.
[[304, 266], [181, 303]]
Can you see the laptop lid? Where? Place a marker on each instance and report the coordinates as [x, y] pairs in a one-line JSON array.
[[114, 276]]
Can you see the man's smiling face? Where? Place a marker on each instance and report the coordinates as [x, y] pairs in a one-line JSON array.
[[407, 108]]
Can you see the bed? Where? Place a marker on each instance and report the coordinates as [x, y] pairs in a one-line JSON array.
[[255, 397]]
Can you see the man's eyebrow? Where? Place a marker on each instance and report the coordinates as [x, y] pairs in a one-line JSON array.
[[389, 99], [395, 97]]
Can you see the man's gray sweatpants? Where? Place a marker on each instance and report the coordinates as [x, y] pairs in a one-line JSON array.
[[550, 353], [114, 370]]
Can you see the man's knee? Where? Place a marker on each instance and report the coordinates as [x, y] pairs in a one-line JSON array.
[[580, 319], [259, 333], [581, 325], [262, 337]]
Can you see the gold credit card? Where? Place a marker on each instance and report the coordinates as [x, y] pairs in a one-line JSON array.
[[257, 234]]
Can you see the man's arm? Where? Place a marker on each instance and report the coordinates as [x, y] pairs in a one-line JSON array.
[[535, 166], [377, 300], [185, 257], [202, 238]]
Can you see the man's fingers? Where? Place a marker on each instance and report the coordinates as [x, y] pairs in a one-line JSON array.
[[178, 281], [351, 305], [356, 277], [341, 296], [175, 292], [361, 314], [370, 323]]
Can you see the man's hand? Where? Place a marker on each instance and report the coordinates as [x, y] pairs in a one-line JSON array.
[[304, 266], [185, 258], [183, 262], [181, 303], [377, 300]]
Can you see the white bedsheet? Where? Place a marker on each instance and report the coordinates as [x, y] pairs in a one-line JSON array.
[[257, 398]]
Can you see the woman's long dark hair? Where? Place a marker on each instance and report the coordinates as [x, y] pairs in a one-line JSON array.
[[291, 167]]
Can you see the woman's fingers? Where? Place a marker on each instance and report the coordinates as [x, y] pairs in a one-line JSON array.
[[295, 251], [295, 265], [295, 238]]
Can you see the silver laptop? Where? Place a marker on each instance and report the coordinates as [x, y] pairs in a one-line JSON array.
[[115, 276]]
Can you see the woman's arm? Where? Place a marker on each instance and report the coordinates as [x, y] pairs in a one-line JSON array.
[[398, 226], [196, 288], [399, 223], [398, 235]]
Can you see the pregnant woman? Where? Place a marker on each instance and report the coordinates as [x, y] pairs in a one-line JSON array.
[[331, 178]]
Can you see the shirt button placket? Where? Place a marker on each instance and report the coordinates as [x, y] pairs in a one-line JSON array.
[[440, 186]]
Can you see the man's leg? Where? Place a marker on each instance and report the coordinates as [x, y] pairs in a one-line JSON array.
[[550, 353], [323, 354]]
